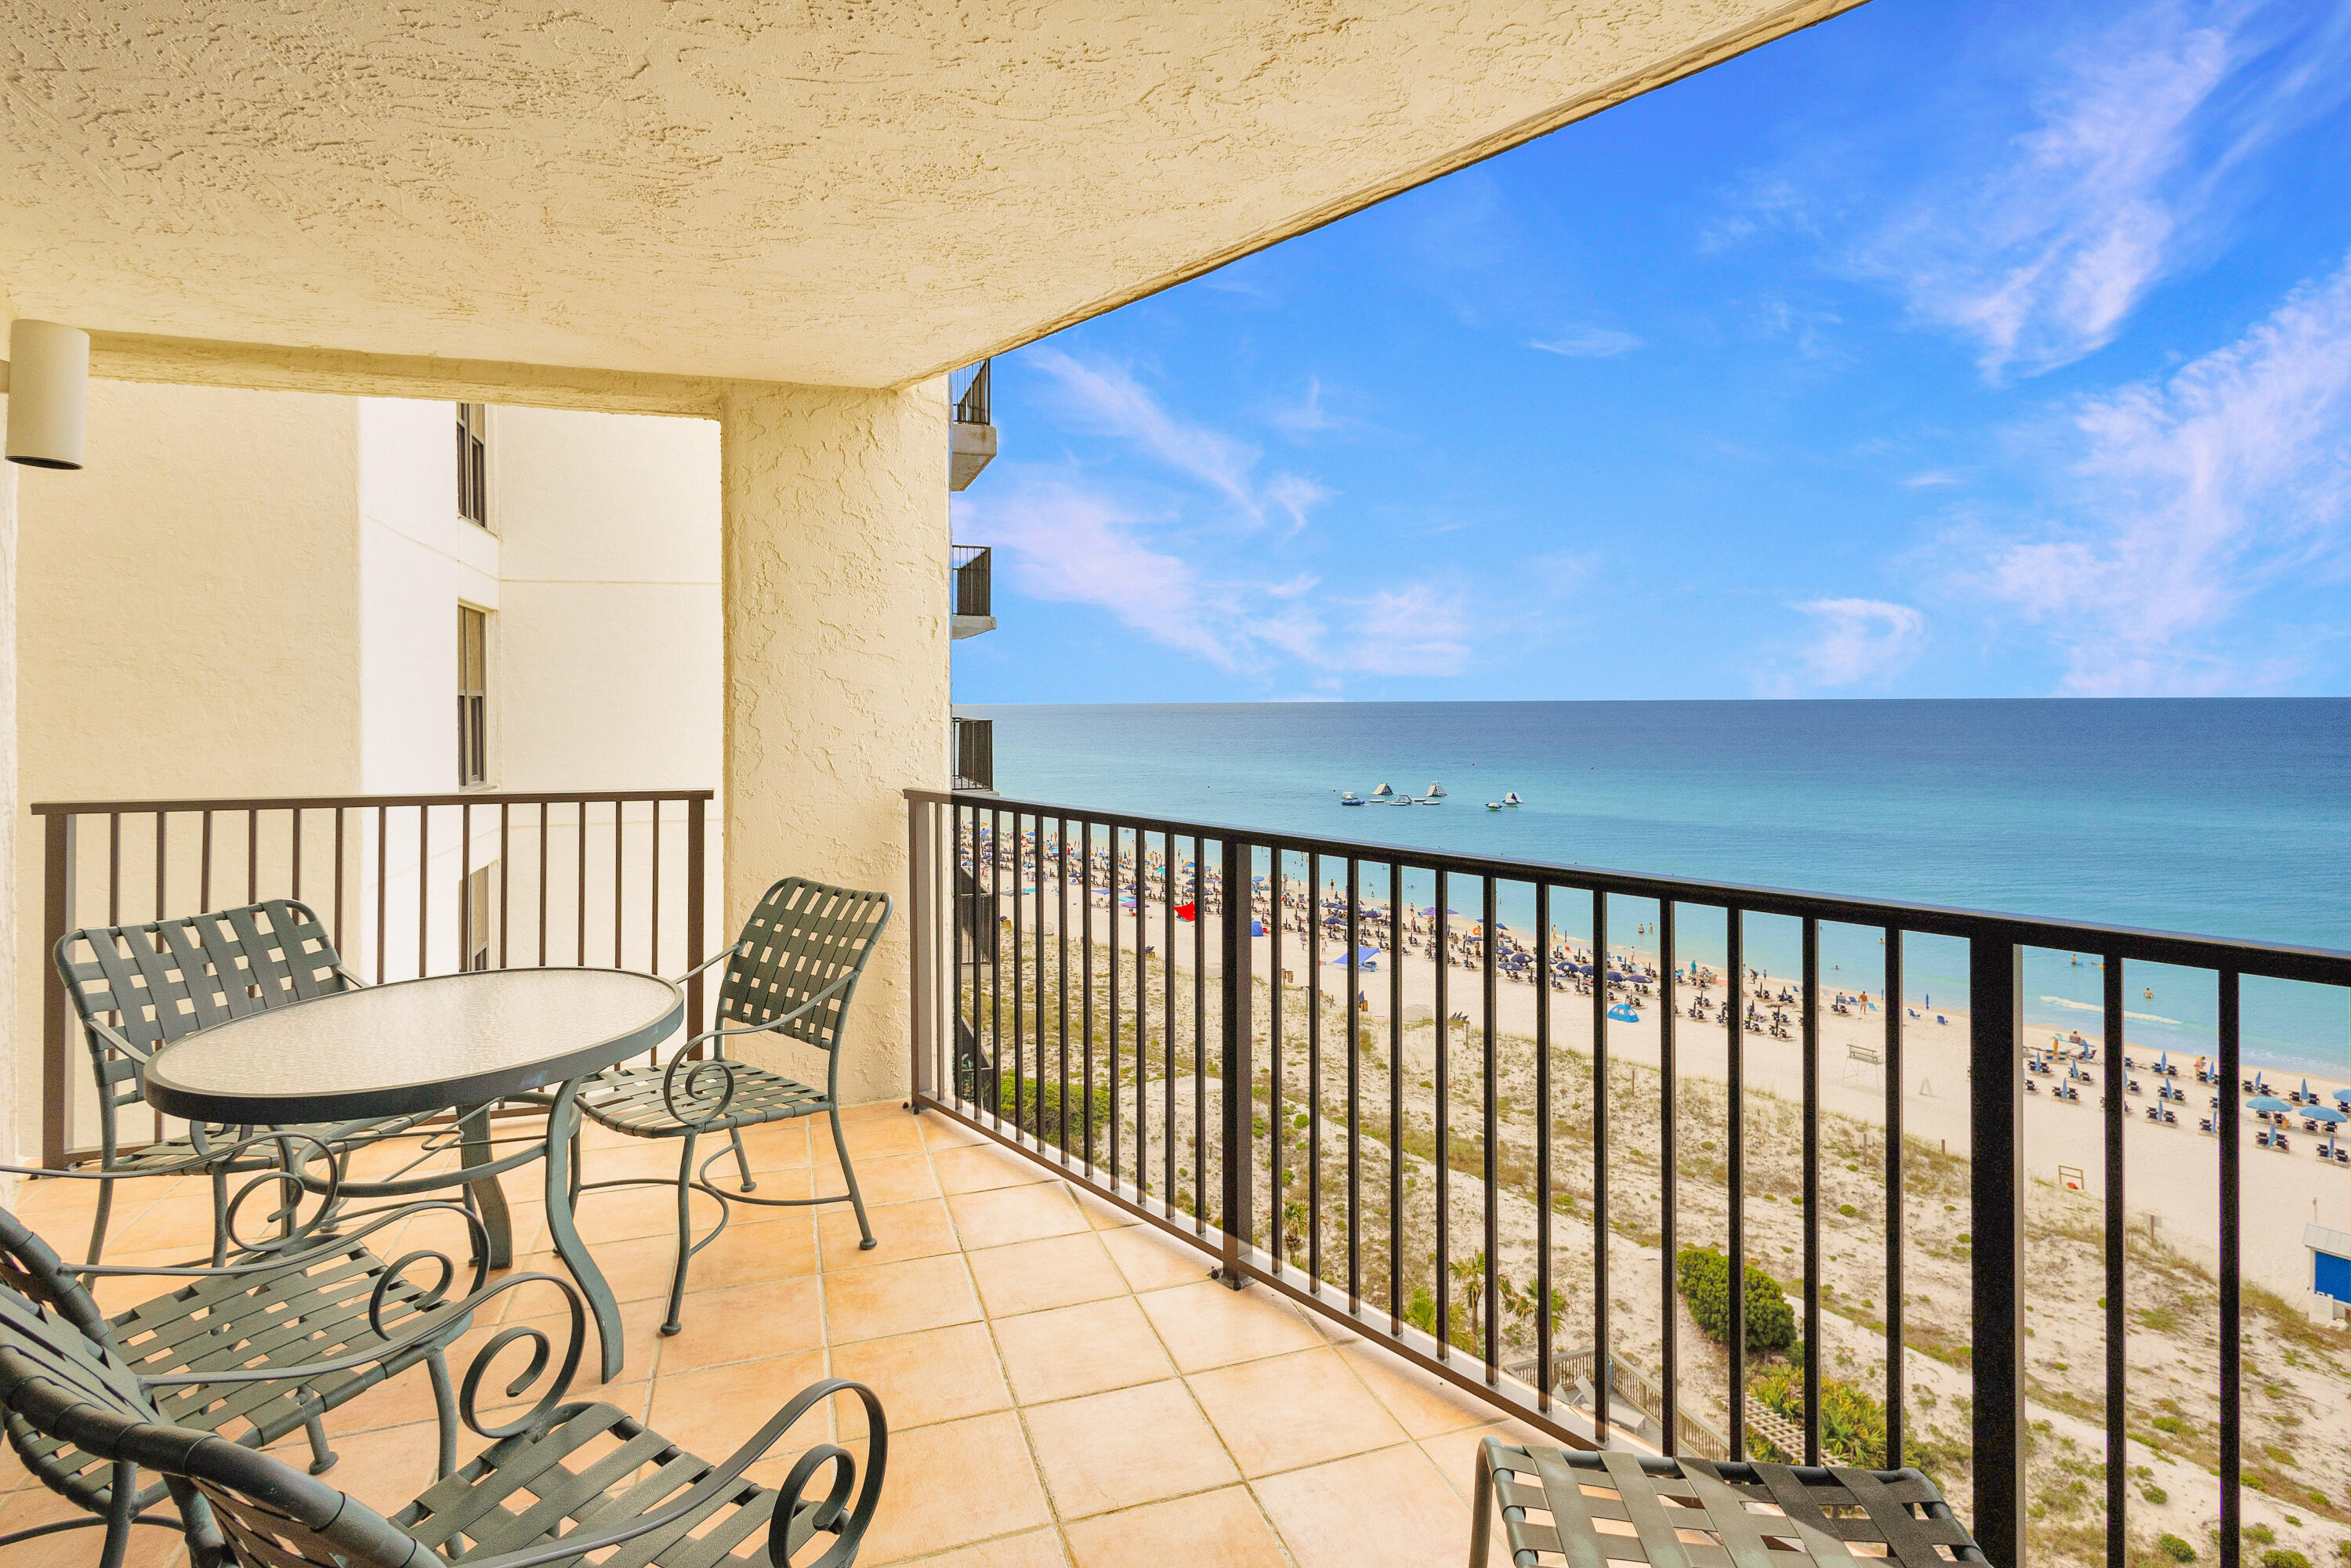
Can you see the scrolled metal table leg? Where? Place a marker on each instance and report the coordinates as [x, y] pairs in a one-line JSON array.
[[560, 1119]]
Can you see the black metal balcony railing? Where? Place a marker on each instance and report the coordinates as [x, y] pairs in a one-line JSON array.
[[975, 754], [968, 391], [406, 885], [971, 566], [1377, 1175]]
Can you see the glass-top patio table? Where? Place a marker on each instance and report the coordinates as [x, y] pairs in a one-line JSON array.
[[444, 1042]]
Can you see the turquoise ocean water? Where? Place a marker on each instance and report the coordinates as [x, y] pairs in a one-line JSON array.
[[2227, 818]]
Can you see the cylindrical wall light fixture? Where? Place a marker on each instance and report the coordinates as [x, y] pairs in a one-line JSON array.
[[49, 393]]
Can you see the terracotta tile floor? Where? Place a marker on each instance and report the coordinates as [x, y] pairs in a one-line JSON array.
[[1063, 1387]]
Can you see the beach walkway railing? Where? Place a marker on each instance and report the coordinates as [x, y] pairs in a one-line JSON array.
[[1178, 1017]]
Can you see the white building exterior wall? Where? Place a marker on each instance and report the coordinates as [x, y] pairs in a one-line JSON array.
[[256, 594]]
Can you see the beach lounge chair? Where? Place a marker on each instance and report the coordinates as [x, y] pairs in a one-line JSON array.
[[2153, 1114], [2170, 1119], [2204, 1124], [2030, 1087]]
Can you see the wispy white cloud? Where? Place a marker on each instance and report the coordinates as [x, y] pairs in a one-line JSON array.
[[1588, 343], [1305, 417], [2122, 177], [1859, 640], [2186, 496], [1108, 399]]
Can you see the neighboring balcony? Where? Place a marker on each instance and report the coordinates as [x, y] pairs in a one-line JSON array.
[[974, 606], [972, 445], [975, 754]]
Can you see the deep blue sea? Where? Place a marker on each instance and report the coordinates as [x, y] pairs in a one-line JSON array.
[[2222, 817]]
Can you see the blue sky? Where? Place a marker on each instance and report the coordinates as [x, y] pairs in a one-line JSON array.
[[1938, 350]]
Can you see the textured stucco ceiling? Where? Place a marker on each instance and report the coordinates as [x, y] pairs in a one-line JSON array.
[[845, 192]]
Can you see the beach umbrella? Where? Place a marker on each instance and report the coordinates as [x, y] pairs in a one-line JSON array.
[[2267, 1103], [2327, 1115], [2344, 1096], [1184, 912]]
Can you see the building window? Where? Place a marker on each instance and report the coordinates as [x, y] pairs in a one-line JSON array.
[[472, 698], [473, 462]]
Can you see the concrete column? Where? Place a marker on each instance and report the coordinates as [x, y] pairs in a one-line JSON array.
[[834, 589], [19, 1126]]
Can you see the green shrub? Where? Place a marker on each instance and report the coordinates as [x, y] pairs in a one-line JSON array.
[[2260, 1534], [2171, 1424], [2284, 1557], [2179, 1551], [2155, 1495], [1848, 1210], [1852, 1422], [1039, 1107], [1703, 1276]]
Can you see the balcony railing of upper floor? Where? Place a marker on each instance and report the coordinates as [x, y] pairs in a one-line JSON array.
[[972, 440], [971, 591], [406, 886], [975, 754], [1498, 1119]]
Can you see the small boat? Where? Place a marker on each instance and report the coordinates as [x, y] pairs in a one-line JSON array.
[[1349, 798], [1493, 805], [1381, 793], [1512, 799]]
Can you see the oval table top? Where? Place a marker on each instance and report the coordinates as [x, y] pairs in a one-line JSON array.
[[442, 1041]]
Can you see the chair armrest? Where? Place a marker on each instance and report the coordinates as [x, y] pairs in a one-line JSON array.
[[285, 1261], [729, 951], [778, 1020], [793, 1523]]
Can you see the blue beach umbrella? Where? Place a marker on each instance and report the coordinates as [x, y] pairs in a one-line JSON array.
[[2327, 1115], [2343, 1096], [2267, 1103]]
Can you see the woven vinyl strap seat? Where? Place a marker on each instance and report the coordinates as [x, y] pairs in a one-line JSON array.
[[790, 977], [1586, 1510]]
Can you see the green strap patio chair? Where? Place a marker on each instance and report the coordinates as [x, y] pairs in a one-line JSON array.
[[251, 1351], [137, 988], [561, 1483], [1580, 1508], [790, 976]]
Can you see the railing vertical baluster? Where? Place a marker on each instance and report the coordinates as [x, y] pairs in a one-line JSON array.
[[1278, 1121], [580, 869], [995, 852], [1020, 992], [1542, 1154], [1142, 1016], [162, 905], [204, 874], [1600, 1356], [2233, 1337], [1086, 984], [1168, 1194], [693, 1023], [1200, 1037], [1110, 1002], [382, 882], [465, 889], [1996, 1127], [1314, 1073], [1809, 1024], [253, 857], [423, 900], [1395, 1096], [2118, 1368], [654, 897], [1237, 1067], [114, 868], [1735, 1098], [1354, 1087], [1895, 1378], [1062, 971], [1490, 1125], [1668, 1182], [1444, 1128], [340, 945], [294, 832], [60, 868], [505, 877], [697, 895], [620, 866]]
